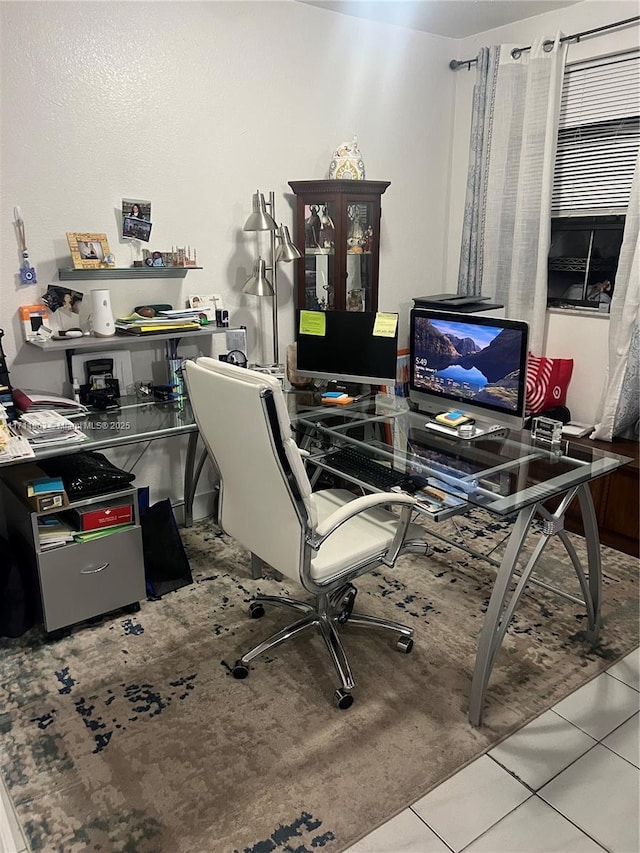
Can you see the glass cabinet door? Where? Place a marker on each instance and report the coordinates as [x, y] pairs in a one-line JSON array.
[[338, 223], [358, 250], [319, 256]]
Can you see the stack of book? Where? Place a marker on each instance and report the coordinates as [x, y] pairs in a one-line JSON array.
[[135, 324]]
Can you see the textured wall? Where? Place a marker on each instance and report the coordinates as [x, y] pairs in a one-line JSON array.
[[195, 106]]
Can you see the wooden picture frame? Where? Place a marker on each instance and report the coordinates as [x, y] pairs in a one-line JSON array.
[[89, 251]]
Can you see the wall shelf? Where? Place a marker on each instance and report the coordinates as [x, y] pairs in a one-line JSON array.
[[111, 273], [92, 342]]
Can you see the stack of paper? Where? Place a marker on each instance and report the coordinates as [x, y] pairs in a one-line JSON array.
[[48, 427], [53, 532], [12, 446], [336, 398], [45, 486], [135, 324], [37, 401]]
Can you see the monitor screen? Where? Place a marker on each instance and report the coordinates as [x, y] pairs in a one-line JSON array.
[[471, 363], [348, 350]]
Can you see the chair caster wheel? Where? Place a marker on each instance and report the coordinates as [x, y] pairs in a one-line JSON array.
[[256, 610], [404, 644], [239, 670], [342, 699]]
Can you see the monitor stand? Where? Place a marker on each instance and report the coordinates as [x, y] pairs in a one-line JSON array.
[[353, 389], [479, 430]]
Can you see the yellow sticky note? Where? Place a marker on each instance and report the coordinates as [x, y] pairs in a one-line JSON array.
[[385, 325], [313, 323]]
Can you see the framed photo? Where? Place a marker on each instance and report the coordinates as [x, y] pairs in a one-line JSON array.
[[89, 251]]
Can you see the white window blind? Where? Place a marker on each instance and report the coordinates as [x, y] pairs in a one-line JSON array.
[[598, 136]]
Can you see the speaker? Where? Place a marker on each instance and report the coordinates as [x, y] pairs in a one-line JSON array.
[[102, 321]]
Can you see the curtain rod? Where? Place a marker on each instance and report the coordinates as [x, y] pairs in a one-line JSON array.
[[517, 52]]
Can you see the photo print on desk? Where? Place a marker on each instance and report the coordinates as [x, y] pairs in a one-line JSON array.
[[207, 303], [136, 219], [64, 308]]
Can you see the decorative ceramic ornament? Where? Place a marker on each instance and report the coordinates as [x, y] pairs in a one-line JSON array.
[[347, 163], [102, 316]]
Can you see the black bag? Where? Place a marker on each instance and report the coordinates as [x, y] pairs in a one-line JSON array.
[[86, 474], [18, 597], [166, 565]]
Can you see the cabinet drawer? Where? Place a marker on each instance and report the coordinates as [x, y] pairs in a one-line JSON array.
[[86, 579]]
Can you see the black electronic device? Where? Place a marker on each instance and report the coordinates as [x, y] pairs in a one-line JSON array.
[[102, 389], [470, 364], [464, 304], [451, 298], [351, 349]]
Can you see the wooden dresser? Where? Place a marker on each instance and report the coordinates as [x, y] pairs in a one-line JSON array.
[[615, 498]]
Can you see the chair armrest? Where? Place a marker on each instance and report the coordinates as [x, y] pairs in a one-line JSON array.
[[304, 453], [354, 507]]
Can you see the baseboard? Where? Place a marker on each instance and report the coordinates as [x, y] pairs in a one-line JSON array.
[[203, 507]]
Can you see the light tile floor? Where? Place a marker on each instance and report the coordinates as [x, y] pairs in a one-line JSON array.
[[569, 782]]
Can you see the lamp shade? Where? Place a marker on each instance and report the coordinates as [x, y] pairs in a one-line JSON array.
[[286, 250], [258, 284], [259, 219]]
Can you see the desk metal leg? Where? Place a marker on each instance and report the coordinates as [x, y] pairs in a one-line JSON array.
[[191, 477], [501, 607], [592, 541], [492, 628]]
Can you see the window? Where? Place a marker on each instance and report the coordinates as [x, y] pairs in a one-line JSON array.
[[598, 140], [583, 259]]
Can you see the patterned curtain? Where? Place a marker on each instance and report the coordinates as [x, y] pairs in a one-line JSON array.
[[507, 224], [470, 272], [619, 410]]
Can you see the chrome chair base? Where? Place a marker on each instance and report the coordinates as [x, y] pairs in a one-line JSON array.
[[330, 610]]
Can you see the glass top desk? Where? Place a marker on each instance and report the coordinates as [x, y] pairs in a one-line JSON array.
[[507, 473], [135, 422]]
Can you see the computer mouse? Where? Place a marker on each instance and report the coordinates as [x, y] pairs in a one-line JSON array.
[[74, 333]]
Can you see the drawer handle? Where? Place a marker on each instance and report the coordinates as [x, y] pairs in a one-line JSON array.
[[94, 571]]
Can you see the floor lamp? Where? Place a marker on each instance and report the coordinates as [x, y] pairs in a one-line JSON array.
[[281, 249]]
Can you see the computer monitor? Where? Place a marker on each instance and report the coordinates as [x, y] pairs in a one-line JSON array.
[[476, 365], [348, 351]]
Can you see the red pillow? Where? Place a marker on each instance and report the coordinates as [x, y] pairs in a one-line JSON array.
[[547, 382]]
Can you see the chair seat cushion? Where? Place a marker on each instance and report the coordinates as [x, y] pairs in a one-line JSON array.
[[358, 539]]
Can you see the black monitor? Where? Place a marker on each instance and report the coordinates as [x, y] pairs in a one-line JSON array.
[[348, 351], [469, 363]]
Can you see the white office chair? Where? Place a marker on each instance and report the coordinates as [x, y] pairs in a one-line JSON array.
[[322, 539]]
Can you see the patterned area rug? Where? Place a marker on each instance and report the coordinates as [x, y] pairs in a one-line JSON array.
[[131, 735]]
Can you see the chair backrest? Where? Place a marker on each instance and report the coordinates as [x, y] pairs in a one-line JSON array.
[[265, 493]]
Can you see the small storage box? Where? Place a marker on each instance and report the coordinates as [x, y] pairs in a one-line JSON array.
[[96, 517]]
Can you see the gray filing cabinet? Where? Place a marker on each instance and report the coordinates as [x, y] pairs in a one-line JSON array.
[[80, 580]]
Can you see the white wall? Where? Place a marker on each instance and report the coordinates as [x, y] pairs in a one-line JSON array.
[[582, 338], [194, 106]]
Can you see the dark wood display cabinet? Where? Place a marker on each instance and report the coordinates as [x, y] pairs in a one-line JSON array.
[[338, 223]]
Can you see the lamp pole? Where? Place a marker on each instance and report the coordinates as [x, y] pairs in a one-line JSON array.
[[274, 277]]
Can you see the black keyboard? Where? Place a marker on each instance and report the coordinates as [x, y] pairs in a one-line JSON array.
[[362, 467]]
